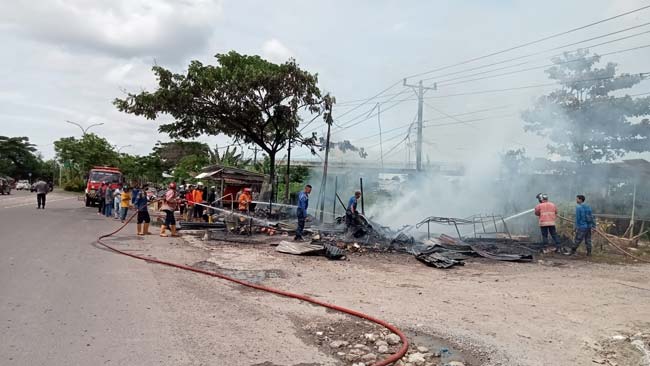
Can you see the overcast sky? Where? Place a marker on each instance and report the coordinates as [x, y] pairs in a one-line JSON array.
[[68, 59]]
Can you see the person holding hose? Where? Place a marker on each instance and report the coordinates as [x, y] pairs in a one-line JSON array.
[[245, 200], [168, 207], [584, 224], [141, 204], [547, 212], [301, 211]]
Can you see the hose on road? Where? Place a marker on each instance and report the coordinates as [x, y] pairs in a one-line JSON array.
[[391, 359]]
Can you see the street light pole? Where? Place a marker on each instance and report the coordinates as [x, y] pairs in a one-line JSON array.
[[84, 130], [122, 147]]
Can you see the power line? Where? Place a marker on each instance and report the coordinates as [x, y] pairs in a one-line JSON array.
[[371, 98], [355, 102], [486, 56], [541, 67], [642, 74], [529, 43], [435, 119], [367, 115], [548, 50], [446, 114]]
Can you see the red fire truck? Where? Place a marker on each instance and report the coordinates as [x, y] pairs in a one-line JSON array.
[[99, 175]]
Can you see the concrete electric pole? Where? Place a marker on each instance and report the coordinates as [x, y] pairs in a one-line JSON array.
[[419, 91]]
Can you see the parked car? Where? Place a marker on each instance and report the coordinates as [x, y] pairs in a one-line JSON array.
[[5, 186], [23, 184]]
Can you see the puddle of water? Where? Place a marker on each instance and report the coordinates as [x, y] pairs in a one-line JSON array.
[[253, 276], [447, 352]]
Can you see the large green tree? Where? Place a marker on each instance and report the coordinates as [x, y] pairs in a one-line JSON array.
[[141, 169], [247, 98], [584, 121], [229, 157], [170, 153], [86, 152], [18, 158]]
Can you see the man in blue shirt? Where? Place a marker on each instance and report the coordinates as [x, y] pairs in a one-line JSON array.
[[141, 204], [584, 224], [301, 211], [351, 211]]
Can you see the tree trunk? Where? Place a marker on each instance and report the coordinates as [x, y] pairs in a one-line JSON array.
[[272, 176]]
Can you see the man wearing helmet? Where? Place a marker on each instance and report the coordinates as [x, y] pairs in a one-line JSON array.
[[245, 200], [168, 207], [547, 212]]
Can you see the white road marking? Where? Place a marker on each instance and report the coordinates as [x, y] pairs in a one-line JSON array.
[[33, 202]]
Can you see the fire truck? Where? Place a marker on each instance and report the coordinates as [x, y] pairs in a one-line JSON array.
[[99, 175]]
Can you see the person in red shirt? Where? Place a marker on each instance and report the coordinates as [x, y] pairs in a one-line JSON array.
[[547, 213]]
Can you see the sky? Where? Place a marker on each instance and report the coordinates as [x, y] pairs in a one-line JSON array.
[[68, 59]]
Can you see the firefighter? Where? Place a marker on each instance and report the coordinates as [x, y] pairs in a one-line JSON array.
[[168, 207], [547, 213], [197, 197], [245, 200]]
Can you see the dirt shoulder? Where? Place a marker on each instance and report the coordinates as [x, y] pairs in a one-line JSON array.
[[555, 311]]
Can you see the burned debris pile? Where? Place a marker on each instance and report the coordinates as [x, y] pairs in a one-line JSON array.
[[476, 236]]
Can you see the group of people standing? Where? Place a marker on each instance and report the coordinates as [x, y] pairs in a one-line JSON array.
[[195, 198], [584, 223], [115, 202]]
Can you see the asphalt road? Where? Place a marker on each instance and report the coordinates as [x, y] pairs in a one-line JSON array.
[[64, 301]]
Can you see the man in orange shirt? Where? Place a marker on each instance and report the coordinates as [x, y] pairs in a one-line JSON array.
[[189, 198], [197, 196], [547, 212], [245, 200]]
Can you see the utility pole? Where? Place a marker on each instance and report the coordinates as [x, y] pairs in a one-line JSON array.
[[287, 175], [324, 182], [419, 91], [254, 154], [633, 209], [381, 144], [323, 185]]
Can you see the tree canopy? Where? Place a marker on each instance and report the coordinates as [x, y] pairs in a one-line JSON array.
[[244, 97], [171, 153], [583, 120], [86, 152], [229, 157], [18, 157]]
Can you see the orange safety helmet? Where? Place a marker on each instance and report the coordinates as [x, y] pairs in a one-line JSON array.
[[247, 190]]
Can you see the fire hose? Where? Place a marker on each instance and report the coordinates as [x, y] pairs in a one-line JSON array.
[[391, 359], [610, 242]]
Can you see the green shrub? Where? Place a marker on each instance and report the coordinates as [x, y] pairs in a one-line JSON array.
[[74, 184]]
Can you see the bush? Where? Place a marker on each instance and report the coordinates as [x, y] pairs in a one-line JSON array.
[[75, 184]]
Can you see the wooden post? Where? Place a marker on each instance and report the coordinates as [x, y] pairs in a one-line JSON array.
[[323, 185], [363, 211], [221, 191], [632, 216], [336, 188]]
